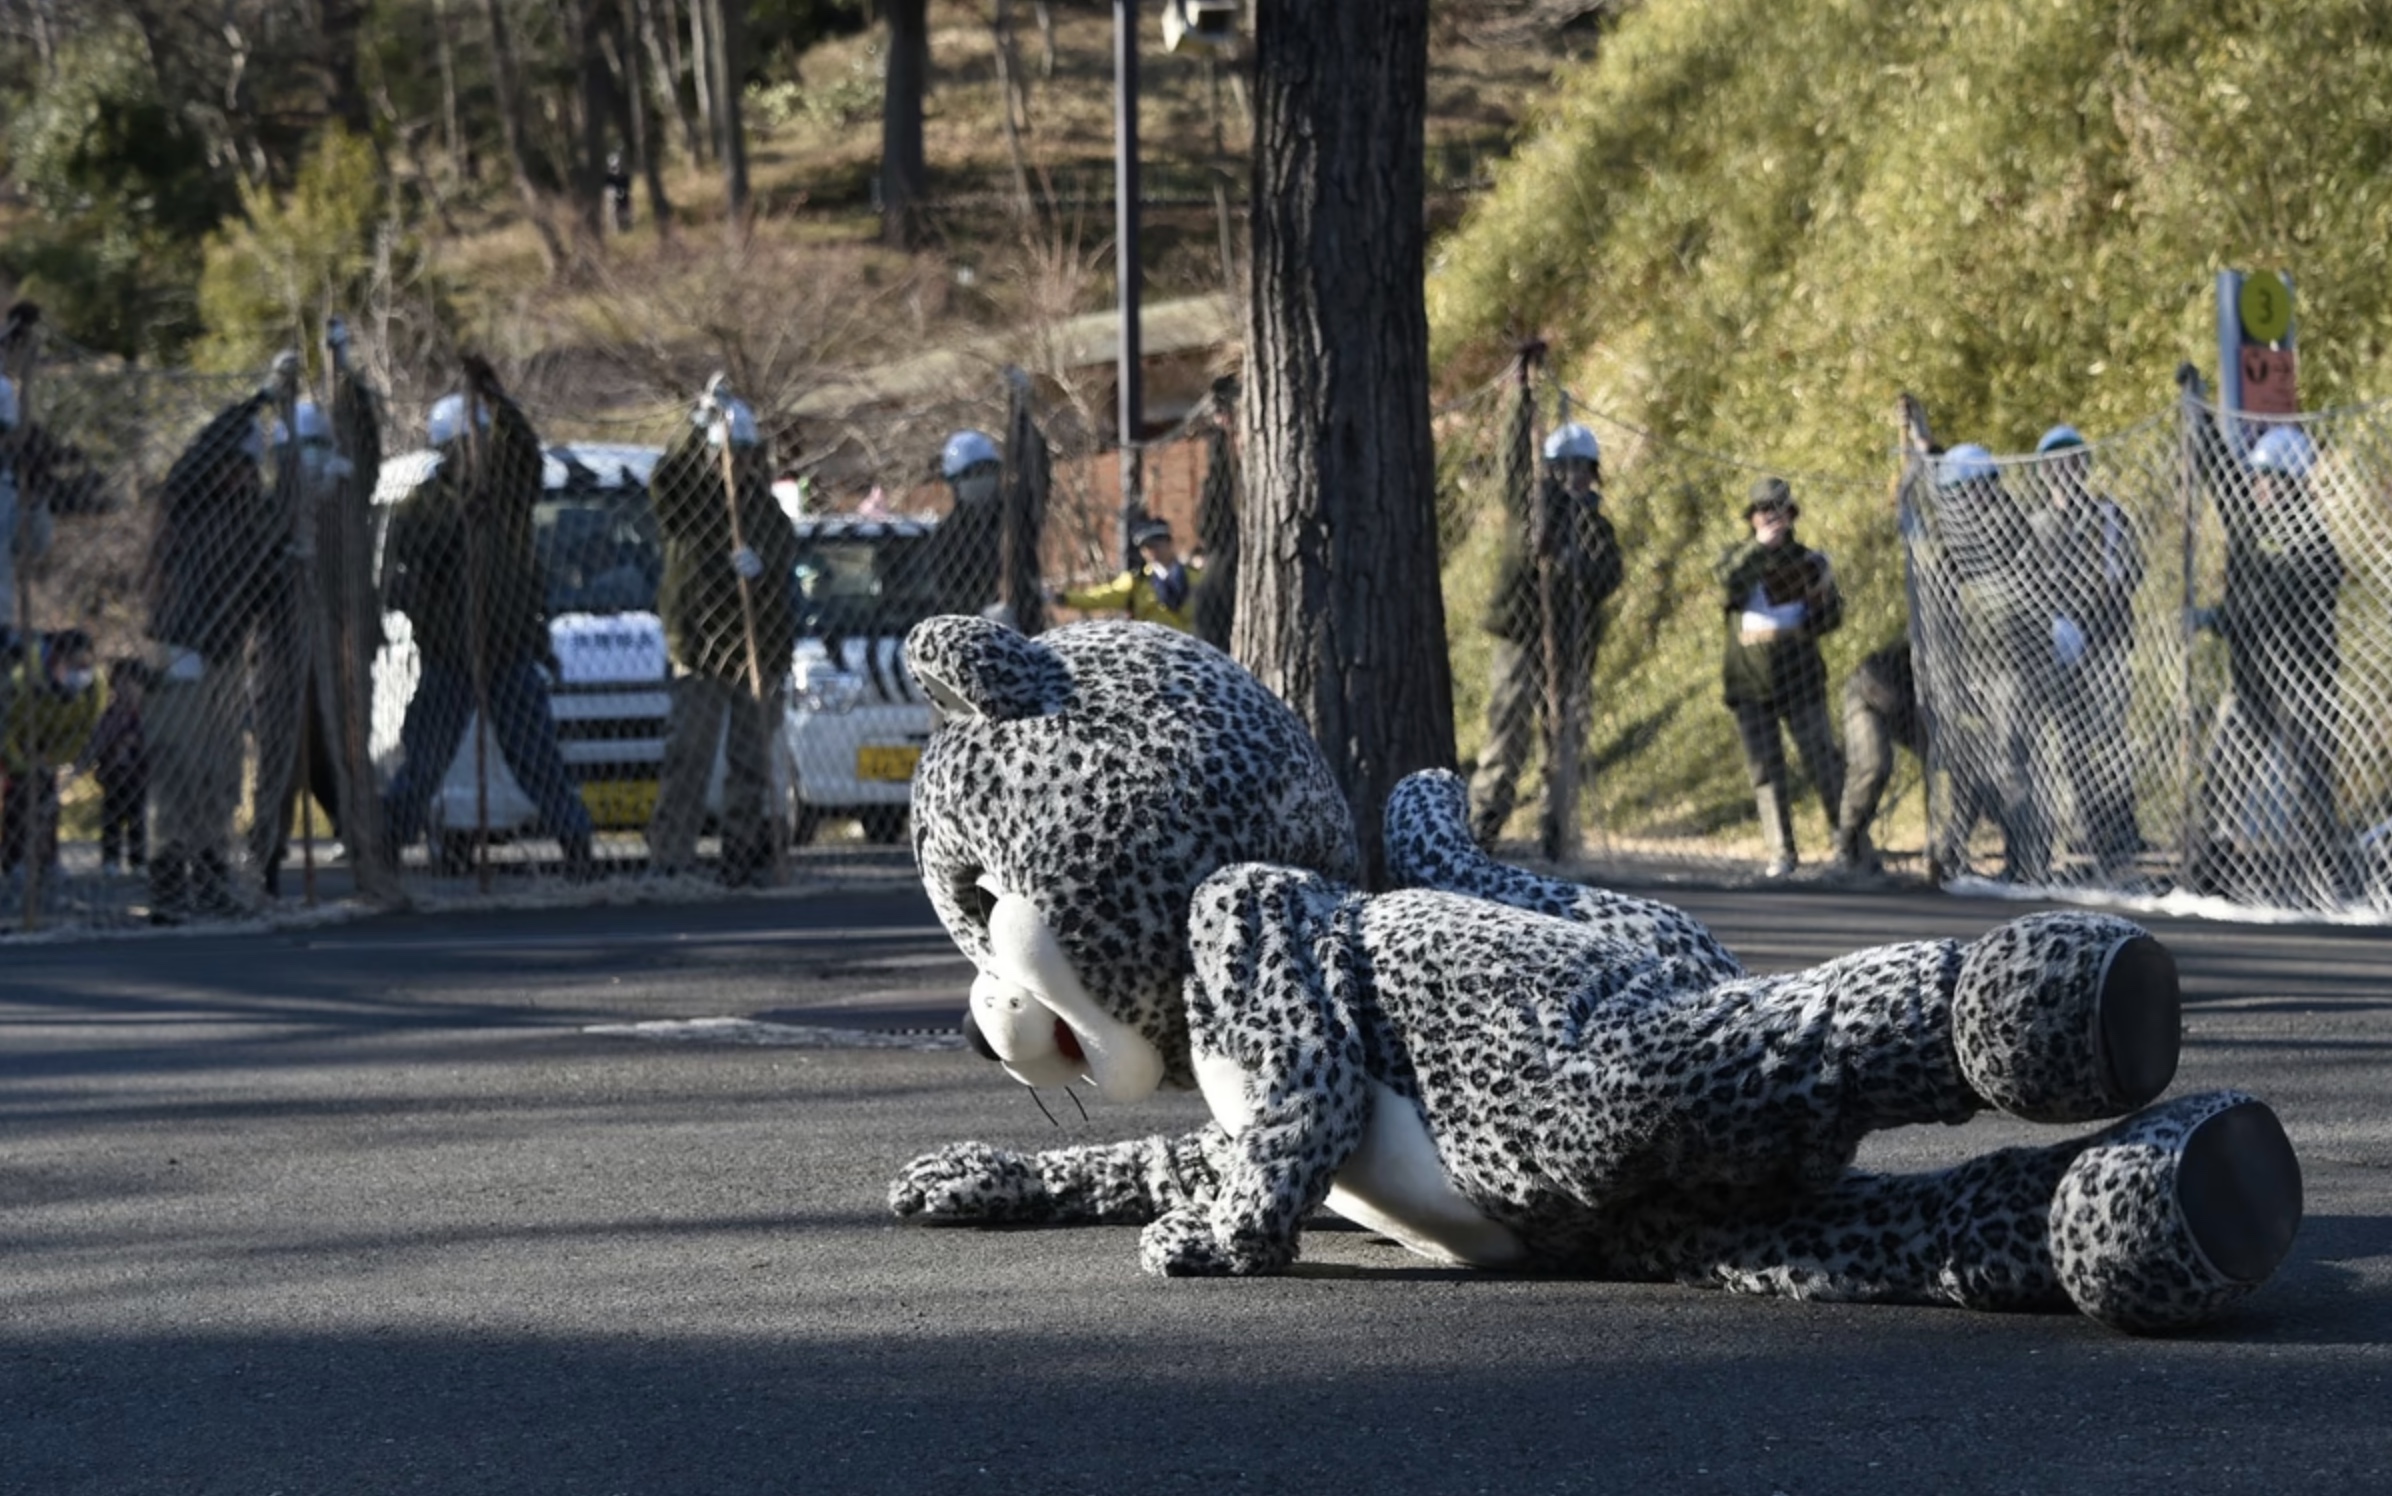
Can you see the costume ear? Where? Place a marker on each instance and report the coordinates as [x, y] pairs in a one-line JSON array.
[[974, 667]]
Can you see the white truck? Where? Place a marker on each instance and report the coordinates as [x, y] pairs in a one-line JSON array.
[[854, 723]]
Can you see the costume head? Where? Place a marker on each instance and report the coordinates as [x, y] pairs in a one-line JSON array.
[[1078, 787]]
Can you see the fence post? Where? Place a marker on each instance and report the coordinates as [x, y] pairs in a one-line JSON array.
[[19, 351], [1217, 520], [1021, 512], [476, 499], [1914, 444], [2190, 831], [345, 675]]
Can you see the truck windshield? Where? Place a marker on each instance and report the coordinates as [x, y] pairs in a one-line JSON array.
[[877, 585], [598, 551]]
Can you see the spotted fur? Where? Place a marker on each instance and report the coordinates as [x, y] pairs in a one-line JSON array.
[[1596, 1073]]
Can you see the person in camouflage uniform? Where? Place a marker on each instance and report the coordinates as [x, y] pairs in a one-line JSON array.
[[1779, 598], [300, 675], [458, 561], [1583, 553], [217, 567], [730, 622]]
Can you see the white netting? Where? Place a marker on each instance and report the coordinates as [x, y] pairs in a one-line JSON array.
[[2162, 661], [501, 645]]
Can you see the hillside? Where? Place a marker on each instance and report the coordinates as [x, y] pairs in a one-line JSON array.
[[1747, 225]]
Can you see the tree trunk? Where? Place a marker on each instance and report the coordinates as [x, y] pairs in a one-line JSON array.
[[902, 171], [730, 81], [664, 51], [636, 116], [452, 130], [597, 107], [1338, 605], [701, 72], [343, 98], [503, 76]]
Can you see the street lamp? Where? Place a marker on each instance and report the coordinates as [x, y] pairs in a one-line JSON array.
[[1207, 24]]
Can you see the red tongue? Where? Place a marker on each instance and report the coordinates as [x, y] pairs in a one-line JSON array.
[[1068, 1043]]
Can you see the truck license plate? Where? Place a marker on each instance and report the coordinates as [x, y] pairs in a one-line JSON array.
[[620, 804], [895, 765]]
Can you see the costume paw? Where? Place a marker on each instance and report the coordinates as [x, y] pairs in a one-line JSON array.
[[2167, 1219], [969, 1183], [1180, 1244], [2067, 1017]]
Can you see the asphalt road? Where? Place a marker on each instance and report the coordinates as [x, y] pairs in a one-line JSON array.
[[372, 1209]]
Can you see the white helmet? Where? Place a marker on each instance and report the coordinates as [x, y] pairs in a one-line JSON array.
[[966, 450], [447, 421], [1966, 463], [8, 403], [1572, 440], [732, 412], [308, 417], [2284, 450]]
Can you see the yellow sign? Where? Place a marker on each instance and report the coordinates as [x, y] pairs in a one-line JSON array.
[[895, 765], [620, 804], [2266, 306]]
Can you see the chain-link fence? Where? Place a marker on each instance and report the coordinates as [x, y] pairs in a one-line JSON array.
[[2162, 660], [279, 639], [273, 642], [1638, 675]]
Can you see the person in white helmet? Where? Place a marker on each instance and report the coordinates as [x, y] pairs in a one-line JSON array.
[[1582, 554], [217, 569], [728, 584], [459, 562], [1981, 637], [2089, 563], [959, 565], [2283, 585]]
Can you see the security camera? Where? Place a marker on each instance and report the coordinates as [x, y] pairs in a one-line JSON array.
[[1210, 25]]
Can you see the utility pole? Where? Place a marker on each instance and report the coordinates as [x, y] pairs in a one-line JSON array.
[[1125, 269]]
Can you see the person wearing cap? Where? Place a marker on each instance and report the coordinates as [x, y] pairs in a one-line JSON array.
[[1160, 589], [460, 563], [1779, 598], [2283, 584], [730, 559], [2089, 562], [217, 569], [1581, 554]]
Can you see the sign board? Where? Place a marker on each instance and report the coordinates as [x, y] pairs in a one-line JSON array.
[[2270, 381]]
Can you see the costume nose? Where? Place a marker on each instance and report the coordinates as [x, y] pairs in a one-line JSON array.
[[975, 1038]]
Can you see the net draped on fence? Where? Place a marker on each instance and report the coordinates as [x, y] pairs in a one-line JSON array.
[[281, 637], [2163, 660]]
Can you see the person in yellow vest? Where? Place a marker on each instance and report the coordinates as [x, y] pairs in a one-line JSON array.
[[1162, 590], [54, 700]]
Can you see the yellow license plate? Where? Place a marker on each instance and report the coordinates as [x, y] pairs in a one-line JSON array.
[[620, 804], [893, 764]]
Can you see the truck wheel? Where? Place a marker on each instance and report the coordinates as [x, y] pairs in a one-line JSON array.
[[452, 853], [804, 821], [884, 825]]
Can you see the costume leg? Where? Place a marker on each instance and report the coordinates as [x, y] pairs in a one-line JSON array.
[[2159, 1223], [1512, 707], [1125, 1184], [1429, 845], [696, 725], [526, 734], [1272, 1023], [1658, 1083]]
